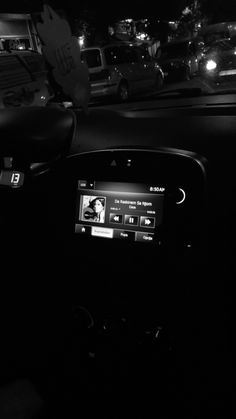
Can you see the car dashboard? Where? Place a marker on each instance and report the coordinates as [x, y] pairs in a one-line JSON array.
[[160, 255], [165, 181]]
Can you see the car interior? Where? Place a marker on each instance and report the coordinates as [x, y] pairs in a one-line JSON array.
[[131, 315]]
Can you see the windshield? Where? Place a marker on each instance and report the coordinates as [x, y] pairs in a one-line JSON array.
[[174, 50], [213, 36], [125, 51], [91, 57]]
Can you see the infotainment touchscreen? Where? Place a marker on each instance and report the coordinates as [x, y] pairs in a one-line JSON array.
[[119, 210]]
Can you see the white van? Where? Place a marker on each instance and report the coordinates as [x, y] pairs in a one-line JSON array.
[[121, 70]]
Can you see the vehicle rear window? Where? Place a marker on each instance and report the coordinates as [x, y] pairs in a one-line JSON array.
[[175, 50], [92, 58], [129, 54], [113, 56], [12, 72]]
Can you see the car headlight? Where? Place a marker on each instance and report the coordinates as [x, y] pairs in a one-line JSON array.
[[211, 65]]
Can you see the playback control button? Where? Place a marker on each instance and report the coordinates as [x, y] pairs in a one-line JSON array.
[[148, 222]]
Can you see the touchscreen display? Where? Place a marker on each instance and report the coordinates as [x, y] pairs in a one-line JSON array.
[[119, 210]]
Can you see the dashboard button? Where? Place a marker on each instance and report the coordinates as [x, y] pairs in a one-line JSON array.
[[90, 184], [83, 184], [132, 220], [102, 232], [86, 184], [148, 222], [124, 235], [115, 218], [144, 237], [80, 228]]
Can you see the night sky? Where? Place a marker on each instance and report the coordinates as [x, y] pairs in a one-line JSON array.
[[119, 8], [218, 10]]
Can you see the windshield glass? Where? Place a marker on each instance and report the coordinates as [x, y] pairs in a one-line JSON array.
[[123, 51], [175, 50], [91, 57], [210, 38]]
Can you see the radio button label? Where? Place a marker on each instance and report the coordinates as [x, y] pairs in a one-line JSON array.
[[124, 235], [144, 237]]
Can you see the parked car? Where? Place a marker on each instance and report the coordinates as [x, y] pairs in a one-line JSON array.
[[179, 59], [121, 70], [23, 80], [217, 31], [219, 61]]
